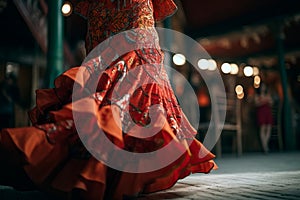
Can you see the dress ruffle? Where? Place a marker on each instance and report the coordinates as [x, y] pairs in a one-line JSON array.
[[113, 92], [55, 158]]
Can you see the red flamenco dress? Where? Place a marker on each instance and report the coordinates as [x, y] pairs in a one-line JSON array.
[[109, 96]]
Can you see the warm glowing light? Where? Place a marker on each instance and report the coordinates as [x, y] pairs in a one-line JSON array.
[[67, 9], [203, 64], [257, 80], [179, 59], [212, 65], [9, 68], [248, 71], [239, 89], [234, 68], [241, 96], [226, 68], [255, 71]]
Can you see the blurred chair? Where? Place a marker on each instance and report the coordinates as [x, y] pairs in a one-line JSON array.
[[276, 132], [225, 119]]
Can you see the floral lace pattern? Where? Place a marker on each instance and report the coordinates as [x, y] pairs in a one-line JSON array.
[[109, 17]]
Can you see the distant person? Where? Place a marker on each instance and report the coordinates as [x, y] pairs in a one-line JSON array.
[[263, 102]]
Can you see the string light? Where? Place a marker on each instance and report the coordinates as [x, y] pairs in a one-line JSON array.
[[67, 9], [248, 71], [179, 59], [203, 64], [239, 89], [212, 65], [234, 68], [256, 81], [241, 96], [255, 71], [226, 68]]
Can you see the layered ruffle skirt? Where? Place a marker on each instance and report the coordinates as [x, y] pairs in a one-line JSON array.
[[108, 132]]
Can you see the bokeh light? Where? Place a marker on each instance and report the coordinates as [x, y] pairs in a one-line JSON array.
[[203, 64], [212, 64], [67, 9], [234, 68], [248, 71], [179, 59], [226, 68]]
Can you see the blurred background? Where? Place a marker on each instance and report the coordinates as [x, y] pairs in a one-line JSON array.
[[249, 42]]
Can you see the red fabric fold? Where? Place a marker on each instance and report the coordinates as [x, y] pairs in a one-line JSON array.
[[114, 101]]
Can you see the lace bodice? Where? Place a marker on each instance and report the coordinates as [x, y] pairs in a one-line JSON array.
[[109, 17]]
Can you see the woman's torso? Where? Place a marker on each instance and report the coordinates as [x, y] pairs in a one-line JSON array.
[[106, 18]]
